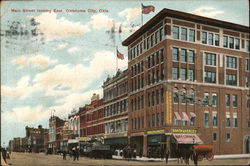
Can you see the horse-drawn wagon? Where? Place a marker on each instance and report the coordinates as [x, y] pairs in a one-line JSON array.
[[204, 151]]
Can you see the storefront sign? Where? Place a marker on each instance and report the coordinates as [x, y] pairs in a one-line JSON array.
[[191, 131], [168, 101], [116, 135], [155, 132], [84, 138], [137, 134]]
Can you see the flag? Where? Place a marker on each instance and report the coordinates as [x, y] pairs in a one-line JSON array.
[[119, 55], [147, 9]]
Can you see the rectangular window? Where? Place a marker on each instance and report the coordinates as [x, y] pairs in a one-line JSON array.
[[149, 121], [175, 98], [157, 119], [192, 120], [214, 117], [156, 36], [132, 122], [191, 35], [175, 121], [227, 100], [231, 42], [162, 118], [162, 72], [148, 62], [135, 122], [206, 119], [175, 32], [175, 54], [210, 77], [183, 55], [247, 45], [235, 121], [234, 100], [174, 73], [152, 40], [228, 124], [157, 97], [184, 122], [231, 62], [184, 34], [237, 43], [162, 55], [142, 122], [153, 120], [214, 100], [191, 56], [162, 95], [148, 99], [206, 99], [231, 79], [228, 137], [225, 41], [149, 78], [153, 59], [247, 65], [153, 98], [148, 40], [204, 37], [247, 81], [214, 136], [183, 74], [210, 59], [161, 34], [211, 39], [191, 75], [217, 40]]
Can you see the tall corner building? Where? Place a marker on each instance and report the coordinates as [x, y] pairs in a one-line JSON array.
[[188, 80]]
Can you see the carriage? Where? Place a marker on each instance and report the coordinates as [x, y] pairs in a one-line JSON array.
[[204, 151]]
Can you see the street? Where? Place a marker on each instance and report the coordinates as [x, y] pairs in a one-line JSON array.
[[34, 159]]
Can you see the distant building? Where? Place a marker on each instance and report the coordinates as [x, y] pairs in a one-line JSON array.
[[34, 140]]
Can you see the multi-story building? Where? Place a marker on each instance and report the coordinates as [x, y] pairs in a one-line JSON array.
[[115, 92], [55, 127], [92, 119], [188, 82], [74, 123], [34, 139]]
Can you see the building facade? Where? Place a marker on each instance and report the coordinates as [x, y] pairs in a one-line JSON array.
[[115, 98], [188, 79]]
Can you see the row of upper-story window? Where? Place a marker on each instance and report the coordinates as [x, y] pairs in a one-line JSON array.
[[116, 91], [184, 119], [156, 58], [183, 55], [146, 44], [215, 119], [116, 108], [210, 38], [137, 103], [137, 82], [116, 126]]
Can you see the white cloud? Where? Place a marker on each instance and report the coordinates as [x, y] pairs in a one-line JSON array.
[[99, 21], [38, 61], [75, 77], [73, 50], [207, 12], [130, 14], [22, 90], [74, 100], [52, 26], [26, 114], [61, 46]]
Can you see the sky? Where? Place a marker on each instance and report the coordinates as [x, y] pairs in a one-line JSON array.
[[61, 57]]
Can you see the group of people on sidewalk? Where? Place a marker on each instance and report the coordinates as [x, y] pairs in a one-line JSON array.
[[74, 152]]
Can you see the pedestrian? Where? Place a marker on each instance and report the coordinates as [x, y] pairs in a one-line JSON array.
[[195, 157], [167, 155], [64, 155], [77, 153], [74, 153]]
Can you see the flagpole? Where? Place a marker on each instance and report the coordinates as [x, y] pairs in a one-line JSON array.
[[116, 59]]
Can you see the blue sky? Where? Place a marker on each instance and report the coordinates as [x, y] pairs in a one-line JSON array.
[[73, 53]]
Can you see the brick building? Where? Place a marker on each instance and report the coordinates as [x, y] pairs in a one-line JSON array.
[[115, 92], [34, 139], [188, 79]]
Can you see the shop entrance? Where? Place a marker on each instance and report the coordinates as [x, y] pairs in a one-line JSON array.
[[137, 143], [156, 146]]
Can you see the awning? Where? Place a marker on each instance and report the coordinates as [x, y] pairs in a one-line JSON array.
[[71, 141], [187, 139], [177, 116], [185, 116], [192, 114]]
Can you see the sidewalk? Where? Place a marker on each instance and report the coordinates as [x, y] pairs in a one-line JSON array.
[[216, 157]]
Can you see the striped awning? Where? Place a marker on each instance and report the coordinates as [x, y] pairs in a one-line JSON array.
[[187, 139], [177, 115], [192, 114], [185, 116]]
